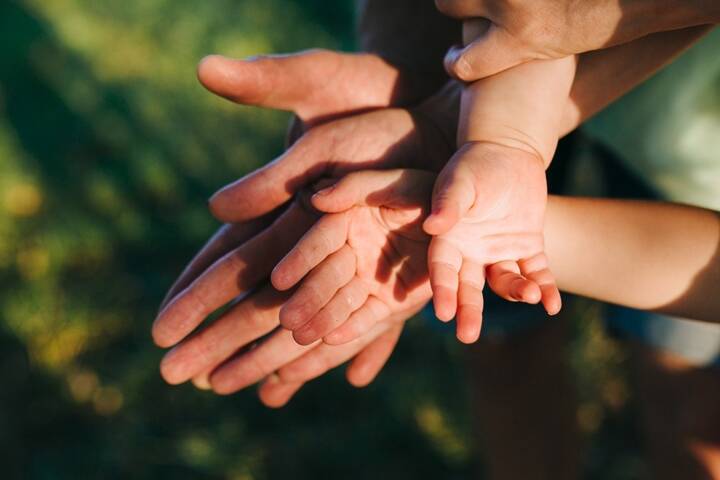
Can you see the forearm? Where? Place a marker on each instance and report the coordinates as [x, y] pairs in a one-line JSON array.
[[644, 255], [411, 34], [603, 76], [639, 18]]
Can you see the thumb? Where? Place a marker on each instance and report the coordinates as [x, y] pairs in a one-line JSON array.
[[453, 197], [492, 52], [267, 188], [375, 188], [314, 84]]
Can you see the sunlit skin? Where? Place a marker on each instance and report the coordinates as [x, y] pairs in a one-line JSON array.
[[516, 32], [362, 261], [221, 272], [501, 194], [489, 201], [367, 82], [367, 256], [373, 218]]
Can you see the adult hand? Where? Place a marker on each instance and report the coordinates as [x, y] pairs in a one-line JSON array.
[[387, 138], [391, 136], [515, 31], [316, 85], [213, 351]]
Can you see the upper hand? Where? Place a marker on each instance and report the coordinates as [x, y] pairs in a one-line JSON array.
[[512, 32]]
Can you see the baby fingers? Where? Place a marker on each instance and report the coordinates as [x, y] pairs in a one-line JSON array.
[[507, 282], [444, 262], [318, 288], [536, 269], [470, 301], [528, 280], [327, 236], [346, 301]]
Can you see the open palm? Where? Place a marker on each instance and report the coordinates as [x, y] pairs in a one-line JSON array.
[[362, 262], [488, 211]]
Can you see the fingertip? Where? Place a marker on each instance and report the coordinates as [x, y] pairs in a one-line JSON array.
[[208, 69], [531, 294], [329, 202], [272, 400], [272, 394], [437, 224], [217, 204], [554, 306], [469, 323], [280, 279], [290, 317], [444, 311], [222, 385], [468, 337], [457, 65], [306, 335], [160, 336], [359, 376], [169, 370]]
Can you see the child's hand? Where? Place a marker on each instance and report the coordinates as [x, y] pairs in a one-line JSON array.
[[488, 208], [362, 260]]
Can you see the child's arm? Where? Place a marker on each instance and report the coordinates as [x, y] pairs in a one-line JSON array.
[[494, 190], [646, 255]]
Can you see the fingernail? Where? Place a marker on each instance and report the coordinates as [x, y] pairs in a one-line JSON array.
[[324, 192]]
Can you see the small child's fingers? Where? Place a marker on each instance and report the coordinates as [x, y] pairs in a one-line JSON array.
[[444, 262], [537, 270], [507, 282], [470, 302], [337, 311], [400, 187], [328, 235], [453, 196], [360, 322], [318, 288]]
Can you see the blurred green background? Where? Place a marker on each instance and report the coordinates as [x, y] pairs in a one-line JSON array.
[[108, 151]]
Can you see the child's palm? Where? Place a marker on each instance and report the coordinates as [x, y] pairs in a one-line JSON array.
[[359, 264], [488, 209]]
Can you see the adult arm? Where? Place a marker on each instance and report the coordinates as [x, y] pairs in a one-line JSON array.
[[517, 32]]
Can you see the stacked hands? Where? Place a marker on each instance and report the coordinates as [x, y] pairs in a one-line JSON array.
[[331, 247], [355, 259]]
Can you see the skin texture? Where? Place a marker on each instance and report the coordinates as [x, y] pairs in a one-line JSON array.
[[390, 136], [489, 201], [516, 32], [364, 260], [270, 82], [367, 256]]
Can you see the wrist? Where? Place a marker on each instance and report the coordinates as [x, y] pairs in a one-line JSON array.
[[436, 119]]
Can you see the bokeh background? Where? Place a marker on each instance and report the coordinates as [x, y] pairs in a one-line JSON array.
[[109, 149]]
